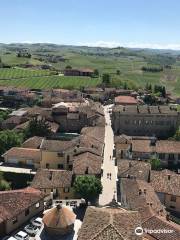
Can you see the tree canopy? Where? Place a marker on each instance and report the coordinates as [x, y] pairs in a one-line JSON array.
[[88, 187], [4, 185], [37, 127], [155, 163], [9, 139]]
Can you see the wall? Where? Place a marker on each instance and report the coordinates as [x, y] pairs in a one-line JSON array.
[[9, 226]]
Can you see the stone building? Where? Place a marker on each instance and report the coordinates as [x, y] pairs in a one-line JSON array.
[[161, 121], [54, 183], [18, 206], [167, 186], [72, 117]]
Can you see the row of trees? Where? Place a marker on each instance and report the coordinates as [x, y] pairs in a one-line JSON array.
[[152, 69], [157, 89]]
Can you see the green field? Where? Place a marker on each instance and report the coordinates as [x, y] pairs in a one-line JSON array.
[[129, 62], [52, 82], [10, 73]]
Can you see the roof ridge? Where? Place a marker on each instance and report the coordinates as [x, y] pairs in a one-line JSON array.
[[108, 225]]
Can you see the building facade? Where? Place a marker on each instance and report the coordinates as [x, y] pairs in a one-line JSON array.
[[161, 121]]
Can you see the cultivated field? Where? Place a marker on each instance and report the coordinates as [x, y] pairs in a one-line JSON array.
[[48, 82], [15, 73]]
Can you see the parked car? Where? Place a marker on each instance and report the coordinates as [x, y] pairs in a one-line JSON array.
[[9, 238], [31, 229], [37, 222], [21, 236]]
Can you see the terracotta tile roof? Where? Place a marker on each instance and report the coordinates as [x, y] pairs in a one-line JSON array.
[[123, 139], [22, 126], [33, 142], [125, 100], [164, 146], [95, 132], [25, 153], [141, 196], [156, 222], [166, 182], [87, 161], [14, 202], [45, 178], [92, 143], [59, 218], [58, 145], [137, 169], [109, 223], [142, 146], [53, 126]]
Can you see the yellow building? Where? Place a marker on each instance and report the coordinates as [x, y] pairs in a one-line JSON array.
[[57, 154], [23, 157], [56, 183]]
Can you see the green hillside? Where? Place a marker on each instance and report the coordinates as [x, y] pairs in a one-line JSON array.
[[128, 61]]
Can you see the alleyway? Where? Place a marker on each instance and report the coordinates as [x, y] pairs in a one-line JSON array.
[[109, 185]]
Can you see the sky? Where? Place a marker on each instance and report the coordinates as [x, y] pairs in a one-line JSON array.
[[110, 23]]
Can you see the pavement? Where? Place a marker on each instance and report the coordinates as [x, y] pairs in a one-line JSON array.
[[109, 185], [5, 168]]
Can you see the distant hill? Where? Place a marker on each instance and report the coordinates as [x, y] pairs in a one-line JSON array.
[[127, 62]]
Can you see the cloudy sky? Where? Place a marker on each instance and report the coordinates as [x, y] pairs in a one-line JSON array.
[[109, 23]]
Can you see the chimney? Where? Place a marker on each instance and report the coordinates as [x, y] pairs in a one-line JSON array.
[[58, 207], [153, 141], [130, 164], [145, 191], [140, 192], [169, 176], [50, 176], [151, 204]]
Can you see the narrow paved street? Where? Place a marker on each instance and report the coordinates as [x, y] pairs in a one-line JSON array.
[[109, 185]]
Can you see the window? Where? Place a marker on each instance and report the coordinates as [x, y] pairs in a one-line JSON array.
[[66, 190], [27, 212], [173, 207], [60, 154], [70, 167], [68, 159], [47, 165], [162, 155], [173, 198], [14, 220], [60, 166], [37, 205]]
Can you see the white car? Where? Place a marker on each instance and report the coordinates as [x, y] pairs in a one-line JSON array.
[[37, 222], [21, 236], [31, 229], [9, 238]]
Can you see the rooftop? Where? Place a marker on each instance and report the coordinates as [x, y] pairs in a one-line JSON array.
[[14, 202], [26, 153], [87, 163], [144, 109], [131, 168], [45, 178], [166, 181], [125, 100], [109, 223]]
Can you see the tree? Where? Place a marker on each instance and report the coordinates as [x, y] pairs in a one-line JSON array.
[[9, 139], [88, 187], [68, 67], [106, 78], [4, 185], [155, 163], [37, 127], [118, 72], [96, 72], [176, 136]]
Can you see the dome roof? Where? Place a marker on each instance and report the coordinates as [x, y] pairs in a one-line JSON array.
[[59, 217]]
